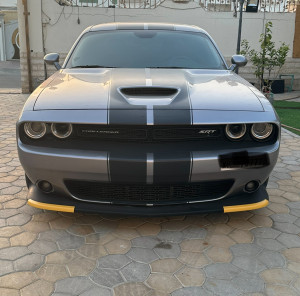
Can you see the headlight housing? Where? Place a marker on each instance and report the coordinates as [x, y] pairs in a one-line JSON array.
[[261, 131], [61, 130], [235, 131], [35, 130]]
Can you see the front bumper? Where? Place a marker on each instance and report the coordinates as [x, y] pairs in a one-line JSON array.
[[242, 202], [57, 165]]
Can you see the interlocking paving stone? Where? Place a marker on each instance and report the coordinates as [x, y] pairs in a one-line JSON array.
[[276, 290], [192, 291], [9, 292], [6, 267], [93, 251], [245, 250], [284, 218], [81, 266], [278, 276], [298, 222], [13, 253], [287, 227], [106, 277], [135, 272], [142, 255], [248, 282], [29, 262], [8, 213], [163, 282], [145, 242], [194, 232], [167, 250], [96, 291], [190, 276], [118, 246], [38, 288], [193, 259], [52, 272], [270, 244], [113, 261], [132, 289], [222, 271], [289, 240], [171, 236], [169, 265], [221, 287], [271, 259], [219, 254], [70, 242], [105, 226], [42, 247], [249, 264], [23, 239], [17, 280], [73, 285], [264, 232]]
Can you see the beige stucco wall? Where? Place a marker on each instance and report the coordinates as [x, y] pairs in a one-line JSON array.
[[61, 29]]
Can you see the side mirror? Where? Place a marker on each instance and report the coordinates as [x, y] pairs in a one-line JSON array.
[[238, 61], [52, 59]]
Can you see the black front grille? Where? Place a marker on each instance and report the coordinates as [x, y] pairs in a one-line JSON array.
[[145, 194], [149, 91], [147, 133]]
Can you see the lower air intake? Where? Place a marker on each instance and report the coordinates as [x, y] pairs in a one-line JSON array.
[[145, 194]]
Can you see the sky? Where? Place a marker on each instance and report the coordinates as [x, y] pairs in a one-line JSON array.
[[8, 2]]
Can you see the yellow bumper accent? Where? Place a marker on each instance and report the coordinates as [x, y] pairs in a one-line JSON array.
[[51, 207], [247, 207]]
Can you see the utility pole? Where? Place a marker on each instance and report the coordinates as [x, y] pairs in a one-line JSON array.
[[238, 46], [26, 14]]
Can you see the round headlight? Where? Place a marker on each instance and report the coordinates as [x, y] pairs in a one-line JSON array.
[[61, 130], [35, 130], [235, 131], [261, 131]]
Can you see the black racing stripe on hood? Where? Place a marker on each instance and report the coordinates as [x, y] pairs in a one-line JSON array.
[[128, 167], [172, 167], [179, 111], [119, 110]]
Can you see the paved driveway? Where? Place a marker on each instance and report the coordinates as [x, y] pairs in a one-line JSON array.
[[247, 253], [10, 74]]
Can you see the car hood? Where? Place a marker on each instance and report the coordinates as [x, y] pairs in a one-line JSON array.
[[172, 89]]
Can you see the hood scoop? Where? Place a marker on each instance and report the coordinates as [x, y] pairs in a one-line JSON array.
[[149, 96], [149, 91]]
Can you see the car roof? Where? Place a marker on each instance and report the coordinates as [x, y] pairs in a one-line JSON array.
[[146, 26]]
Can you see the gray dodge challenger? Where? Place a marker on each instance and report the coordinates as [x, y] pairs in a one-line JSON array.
[[147, 119]]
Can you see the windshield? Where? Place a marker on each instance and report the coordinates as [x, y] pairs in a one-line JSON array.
[[145, 49]]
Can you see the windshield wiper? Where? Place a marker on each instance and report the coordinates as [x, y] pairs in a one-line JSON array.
[[91, 66]]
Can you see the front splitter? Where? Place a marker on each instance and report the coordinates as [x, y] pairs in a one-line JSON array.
[[236, 203]]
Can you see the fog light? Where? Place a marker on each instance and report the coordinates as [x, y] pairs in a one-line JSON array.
[[45, 186], [252, 186]]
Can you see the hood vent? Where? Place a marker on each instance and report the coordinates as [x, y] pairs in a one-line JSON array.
[[149, 91]]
